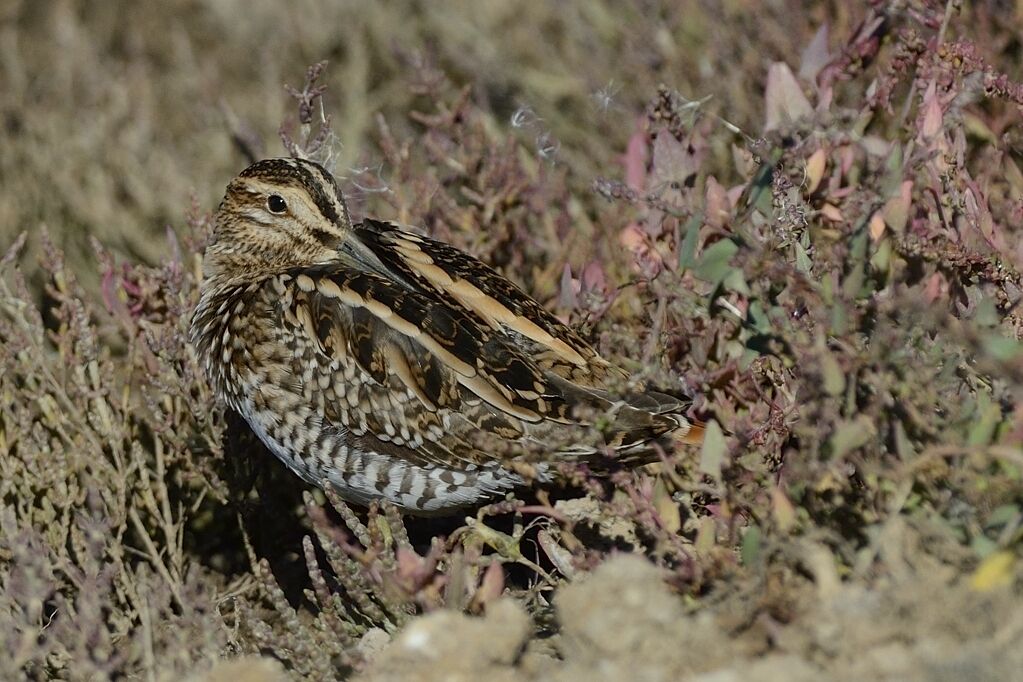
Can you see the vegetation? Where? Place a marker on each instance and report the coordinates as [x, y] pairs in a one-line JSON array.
[[807, 218]]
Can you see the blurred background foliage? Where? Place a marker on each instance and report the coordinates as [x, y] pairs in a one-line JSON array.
[[115, 113], [805, 215]]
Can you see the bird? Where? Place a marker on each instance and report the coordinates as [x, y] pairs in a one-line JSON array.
[[383, 364]]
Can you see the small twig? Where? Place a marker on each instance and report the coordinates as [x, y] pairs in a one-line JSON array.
[[730, 307], [655, 333], [949, 6], [154, 556]]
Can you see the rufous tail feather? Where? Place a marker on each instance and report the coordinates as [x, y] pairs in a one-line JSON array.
[[694, 436]]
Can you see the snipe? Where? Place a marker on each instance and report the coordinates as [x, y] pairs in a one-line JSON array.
[[388, 365]]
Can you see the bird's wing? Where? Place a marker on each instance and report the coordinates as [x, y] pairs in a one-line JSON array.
[[580, 376], [407, 367], [492, 299]]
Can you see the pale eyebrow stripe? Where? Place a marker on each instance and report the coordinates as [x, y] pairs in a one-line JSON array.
[[258, 187], [328, 187]]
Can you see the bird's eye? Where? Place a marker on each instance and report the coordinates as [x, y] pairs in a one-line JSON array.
[[276, 204]]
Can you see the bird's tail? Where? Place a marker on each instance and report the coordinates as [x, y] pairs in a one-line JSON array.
[[691, 436], [637, 421], [655, 417]]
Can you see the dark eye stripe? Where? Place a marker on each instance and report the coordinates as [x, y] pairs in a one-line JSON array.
[[311, 177], [314, 186], [335, 192], [326, 193]]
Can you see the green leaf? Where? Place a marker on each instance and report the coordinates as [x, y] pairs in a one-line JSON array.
[[851, 435], [882, 257], [983, 546], [1002, 347], [803, 263], [839, 319], [713, 264], [759, 190], [750, 551], [1002, 515], [852, 285], [706, 535], [990, 414], [892, 180], [827, 290], [758, 318], [687, 250], [986, 314], [834, 378], [903, 446], [734, 281]]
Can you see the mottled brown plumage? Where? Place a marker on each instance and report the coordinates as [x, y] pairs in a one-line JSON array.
[[388, 365]]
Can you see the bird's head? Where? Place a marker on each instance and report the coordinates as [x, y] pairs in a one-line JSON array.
[[276, 215]]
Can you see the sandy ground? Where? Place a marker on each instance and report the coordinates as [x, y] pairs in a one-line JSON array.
[[622, 622]]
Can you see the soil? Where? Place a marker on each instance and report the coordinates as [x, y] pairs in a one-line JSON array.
[[623, 622]]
